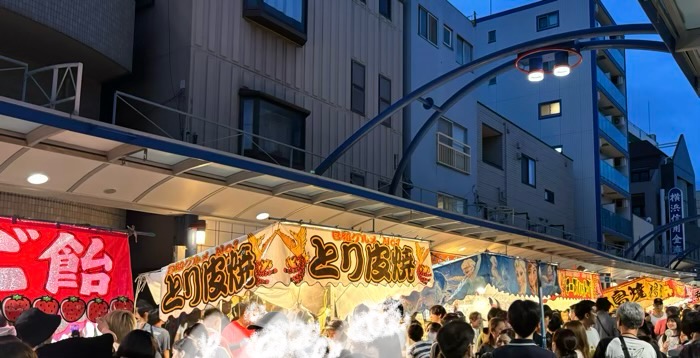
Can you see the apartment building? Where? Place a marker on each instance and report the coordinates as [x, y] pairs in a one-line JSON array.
[[280, 81], [582, 115]]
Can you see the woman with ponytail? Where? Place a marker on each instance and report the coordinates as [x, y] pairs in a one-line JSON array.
[[564, 344]]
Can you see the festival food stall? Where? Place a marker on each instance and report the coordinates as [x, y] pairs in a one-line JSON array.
[[319, 270], [574, 287], [481, 281], [76, 272]]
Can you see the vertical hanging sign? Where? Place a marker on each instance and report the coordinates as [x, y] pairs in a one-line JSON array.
[[675, 213]]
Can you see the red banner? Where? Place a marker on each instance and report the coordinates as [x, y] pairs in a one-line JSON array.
[[579, 285], [79, 273]]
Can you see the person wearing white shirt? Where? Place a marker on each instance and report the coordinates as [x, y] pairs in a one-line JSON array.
[[585, 312], [630, 317]]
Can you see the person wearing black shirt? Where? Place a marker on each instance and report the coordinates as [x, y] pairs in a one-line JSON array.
[[524, 317]]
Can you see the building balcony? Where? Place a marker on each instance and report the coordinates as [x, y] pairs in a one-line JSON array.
[[615, 223], [614, 177], [616, 136], [617, 57], [613, 94], [453, 154]]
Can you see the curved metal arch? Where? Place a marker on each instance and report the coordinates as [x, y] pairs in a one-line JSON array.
[[631, 29], [582, 46], [679, 258], [646, 239]]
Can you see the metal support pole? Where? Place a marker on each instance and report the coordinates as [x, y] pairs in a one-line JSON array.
[[543, 328]]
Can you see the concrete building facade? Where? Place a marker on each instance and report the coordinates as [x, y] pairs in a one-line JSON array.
[[583, 115]]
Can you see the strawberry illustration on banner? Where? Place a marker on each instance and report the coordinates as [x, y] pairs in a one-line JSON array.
[[13, 306], [121, 303], [58, 268]]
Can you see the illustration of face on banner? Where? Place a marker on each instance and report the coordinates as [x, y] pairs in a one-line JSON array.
[[507, 274], [78, 273], [290, 254]]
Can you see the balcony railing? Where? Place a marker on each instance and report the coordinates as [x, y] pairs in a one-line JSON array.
[[615, 222], [634, 130], [613, 176], [453, 153], [619, 137], [611, 91], [617, 57]]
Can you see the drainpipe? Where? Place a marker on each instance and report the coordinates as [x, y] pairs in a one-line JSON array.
[[505, 162], [407, 83]]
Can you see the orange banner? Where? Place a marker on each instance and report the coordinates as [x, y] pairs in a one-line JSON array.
[[645, 289], [579, 285]]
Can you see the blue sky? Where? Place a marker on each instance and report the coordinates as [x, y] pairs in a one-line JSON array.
[[653, 79]]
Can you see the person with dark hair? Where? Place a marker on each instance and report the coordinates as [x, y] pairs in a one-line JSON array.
[[585, 312], [523, 316], [186, 348], [690, 325], [455, 340], [690, 351], [154, 326], [496, 326], [433, 329], [16, 349], [437, 312], [419, 348], [604, 323], [660, 326], [452, 317], [582, 346], [671, 338], [630, 317], [237, 331], [137, 344], [555, 323], [496, 312], [564, 344]]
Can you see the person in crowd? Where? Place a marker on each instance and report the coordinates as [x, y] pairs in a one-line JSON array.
[[523, 316], [437, 312], [455, 340], [137, 344], [690, 326], [154, 325], [450, 317], [657, 313], [496, 326], [14, 348], [418, 348], [630, 317], [660, 326], [555, 323], [5, 328], [544, 340], [187, 321], [690, 351], [604, 323], [565, 344], [433, 329], [35, 327], [477, 323], [648, 326], [583, 347], [670, 339], [186, 348], [119, 323], [237, 331], [496, 312], [565, 316], [504, 339], [585, 312], [645, 334]]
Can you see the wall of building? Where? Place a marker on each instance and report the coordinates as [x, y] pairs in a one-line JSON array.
[[230, 53], [425, 62], [640, 228], [554, 172], [517, 99]]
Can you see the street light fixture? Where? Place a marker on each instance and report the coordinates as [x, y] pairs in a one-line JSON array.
[[536, 73], [561, 64]]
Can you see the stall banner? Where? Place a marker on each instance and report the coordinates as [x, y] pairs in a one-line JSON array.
[[285, 254], [695, 295], [639, 290], [79, 273], [507, 274], [579, 285]]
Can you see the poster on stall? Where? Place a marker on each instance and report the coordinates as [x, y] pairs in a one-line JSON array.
[[579, 285], [300, 255], [507, 274], [77, 273], [640, 290]]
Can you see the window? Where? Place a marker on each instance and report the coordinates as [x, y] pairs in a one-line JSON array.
[[278, 130], [550, 109], [385, 8], [383, 186], [452, 150], [357, 92], [548, 21], [427, 25], [640, 175], [464, 51], [639, 205], [492, 36], [452, 132], [558, 148], [549, 196], [491, 146], [450, 203], [528, 171], [384, 97], [357, 179], [492, 81], [285, 17], [447, 36]]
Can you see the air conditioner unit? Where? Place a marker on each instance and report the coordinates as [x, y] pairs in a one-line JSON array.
[[621, 203], [616, 120], [620, 162], [619, 80]]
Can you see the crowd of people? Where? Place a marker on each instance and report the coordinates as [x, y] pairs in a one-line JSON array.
[[587, 330]]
